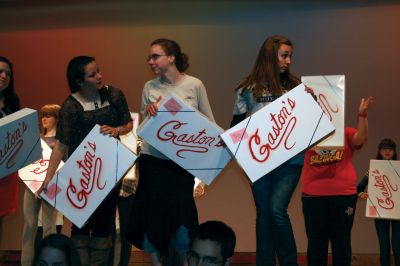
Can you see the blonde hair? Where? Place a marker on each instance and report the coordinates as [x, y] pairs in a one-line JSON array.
[[48, 110]]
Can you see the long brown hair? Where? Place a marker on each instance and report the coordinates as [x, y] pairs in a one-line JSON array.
[[265, 72], [11, 100], [48, 110]]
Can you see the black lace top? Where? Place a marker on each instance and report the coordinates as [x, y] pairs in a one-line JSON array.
[[75, 123], [11, 103]]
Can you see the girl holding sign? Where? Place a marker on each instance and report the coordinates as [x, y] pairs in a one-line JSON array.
[[90, 103], [48, 120], [9, 103], [165, 211], [269, 79], [386, 151]]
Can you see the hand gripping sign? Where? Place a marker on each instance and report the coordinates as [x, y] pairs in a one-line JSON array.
[[277, 132], [34, 174], [19, 141], [330, 92], [383, 190], [187, 137], [88, 176]]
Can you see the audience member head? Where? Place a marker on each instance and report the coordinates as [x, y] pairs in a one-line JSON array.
[[56, 249], [213, 243]]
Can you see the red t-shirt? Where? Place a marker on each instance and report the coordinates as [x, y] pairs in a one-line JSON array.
[[327, 173]]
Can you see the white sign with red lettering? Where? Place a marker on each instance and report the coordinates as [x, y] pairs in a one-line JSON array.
[[88, 176], [130, 141], [277, 132], [19, 141], [330, 92], [33, 175], [383, 189], [187, 137]]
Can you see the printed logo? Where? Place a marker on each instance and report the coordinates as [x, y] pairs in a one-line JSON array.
[[386, 189], [238, 135], [372, 211], [173, 106], [90, 167], [35, 185], [283, 122], [52, 191], [326, 157], [12, 144], [199, 142], [326, 107], [42, 166], [349, 211]]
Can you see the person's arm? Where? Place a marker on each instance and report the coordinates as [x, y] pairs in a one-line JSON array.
[[361, 135], [362, 185], [117, 131], [1, 103], [240, 108], [203, 102], [119, 102], [57, 154], [311, 91], [152, 107]]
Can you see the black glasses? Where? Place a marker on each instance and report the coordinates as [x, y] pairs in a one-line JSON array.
[[154, 57]]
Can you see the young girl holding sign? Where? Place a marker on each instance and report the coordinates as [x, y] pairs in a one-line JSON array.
[[165, 211], [386, 151], [48, 116]]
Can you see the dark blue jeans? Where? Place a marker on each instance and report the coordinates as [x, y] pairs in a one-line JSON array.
[[274, 231], [382, 227], [329, 219]]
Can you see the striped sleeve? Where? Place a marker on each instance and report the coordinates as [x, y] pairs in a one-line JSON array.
[[363, 183]]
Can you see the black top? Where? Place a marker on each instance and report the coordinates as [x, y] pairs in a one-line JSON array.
[[74, 123], [51, 141], [11, 103], [363, 183]]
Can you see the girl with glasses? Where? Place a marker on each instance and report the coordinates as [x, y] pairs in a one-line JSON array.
[[165, 212]]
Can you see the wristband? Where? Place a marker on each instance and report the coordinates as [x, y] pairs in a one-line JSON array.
[[362, 115]]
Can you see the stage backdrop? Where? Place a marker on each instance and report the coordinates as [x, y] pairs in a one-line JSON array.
[[222, 39]]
